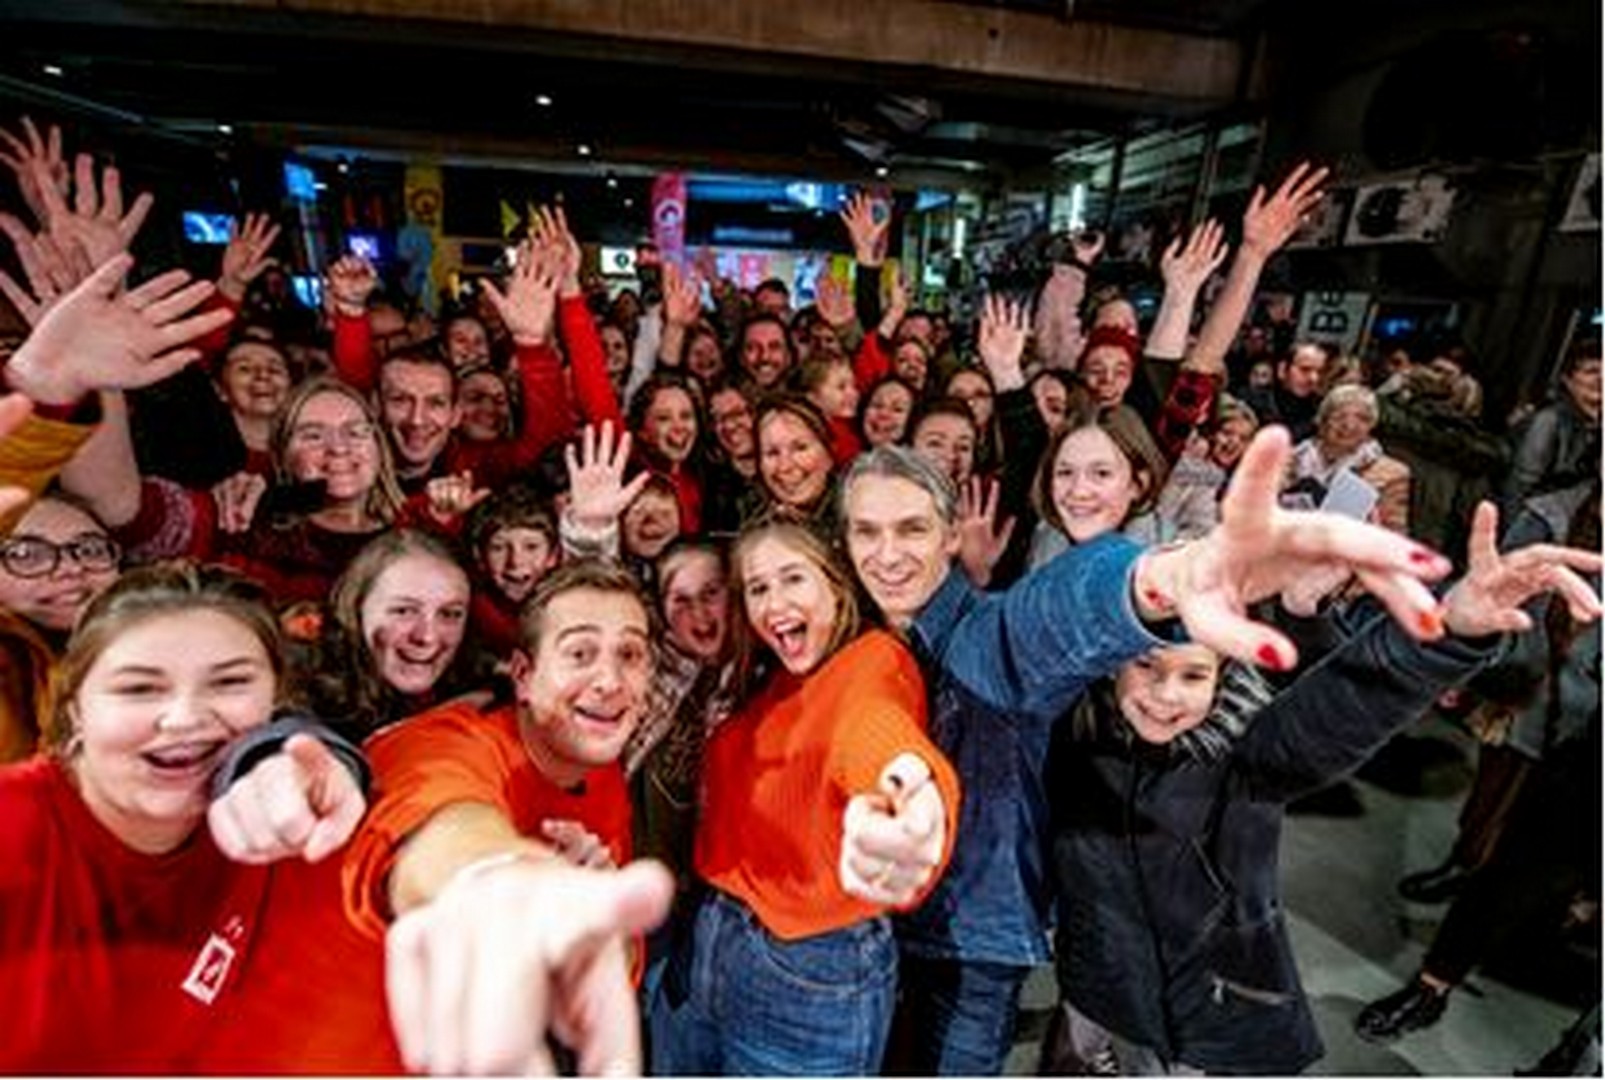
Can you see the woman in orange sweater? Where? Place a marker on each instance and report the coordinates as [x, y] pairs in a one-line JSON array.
[[825, 806]]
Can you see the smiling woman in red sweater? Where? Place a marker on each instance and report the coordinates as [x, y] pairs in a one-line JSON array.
[[825, 807]]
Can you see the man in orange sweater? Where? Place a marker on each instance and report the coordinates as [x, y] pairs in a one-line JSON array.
[[493, 842]]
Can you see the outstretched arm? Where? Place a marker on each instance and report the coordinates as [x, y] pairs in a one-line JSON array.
[[1268, 223], [1339, 712]]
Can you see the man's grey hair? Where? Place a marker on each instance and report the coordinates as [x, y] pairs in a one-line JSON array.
[[901, 463]]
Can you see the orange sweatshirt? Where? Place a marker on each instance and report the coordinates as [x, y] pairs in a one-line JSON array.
[[778, 776]]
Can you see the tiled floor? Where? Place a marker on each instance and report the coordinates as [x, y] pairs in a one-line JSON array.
[[1356, 939]]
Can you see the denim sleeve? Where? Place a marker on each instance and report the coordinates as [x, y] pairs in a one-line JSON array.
[[1033, 649], [1336, 715]]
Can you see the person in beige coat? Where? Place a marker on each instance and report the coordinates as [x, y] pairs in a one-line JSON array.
[[1344, 424]]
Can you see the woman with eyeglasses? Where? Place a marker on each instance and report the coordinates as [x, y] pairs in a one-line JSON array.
[[56, 560], [335, 489]]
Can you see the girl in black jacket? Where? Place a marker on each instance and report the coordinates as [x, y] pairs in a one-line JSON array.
[[1171, 782]]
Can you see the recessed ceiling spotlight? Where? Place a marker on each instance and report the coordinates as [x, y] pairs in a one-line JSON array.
[[881, 171], [628, 203], [543, 100], [343, 167], [225, 129], [612, 181], [584, 150], [319, 185], [54, 71]]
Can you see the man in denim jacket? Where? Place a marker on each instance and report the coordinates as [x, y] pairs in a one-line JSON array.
[[1001, 668]]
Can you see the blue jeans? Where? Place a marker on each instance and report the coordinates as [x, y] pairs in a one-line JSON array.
[[954, 1017], [736, 1000]]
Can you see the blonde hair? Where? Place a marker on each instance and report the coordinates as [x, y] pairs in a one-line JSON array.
[[384, 498]]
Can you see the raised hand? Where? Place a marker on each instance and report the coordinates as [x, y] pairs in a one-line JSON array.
[[53, 269], [551, 231], [1186, 268], [530, 302], [892, 839], [578, 845], [597, 491], [1259, 550], [474, 983], [96, 219], [450, 497], [351, 279], [246, 255], [1488, 599], [300, 802], [982, 541], [20, 157], [868, 234], [1268, 223], [897, 300], [1086, 246], [236, 500], [1001, 342], [94, 340], [682, 296]]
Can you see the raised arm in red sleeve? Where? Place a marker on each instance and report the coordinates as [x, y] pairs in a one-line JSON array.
[[548, 418], [593, 392], [872, 364], [355, 360]]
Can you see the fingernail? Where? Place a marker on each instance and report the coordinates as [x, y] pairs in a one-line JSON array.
[[1423, 557], [1431, 623], [1269, 657]]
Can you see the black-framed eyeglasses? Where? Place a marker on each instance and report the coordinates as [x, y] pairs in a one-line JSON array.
[[34, 556]]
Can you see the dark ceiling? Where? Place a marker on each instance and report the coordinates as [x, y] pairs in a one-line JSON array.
[[468, 92]]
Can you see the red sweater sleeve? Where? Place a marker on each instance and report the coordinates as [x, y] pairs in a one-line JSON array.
[[872, 364], [354, 358], [547, 419], [213, 344], [593, 392]]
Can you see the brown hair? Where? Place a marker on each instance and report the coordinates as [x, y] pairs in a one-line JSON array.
[[348, 684], [1148, 465], [749, 650], [146, 593], [598, 575]]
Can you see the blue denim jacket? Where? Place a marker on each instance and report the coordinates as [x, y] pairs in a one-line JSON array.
[[999, 669]]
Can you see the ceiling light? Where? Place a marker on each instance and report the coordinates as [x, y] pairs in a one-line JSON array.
[[543, 100], [629, 203], [584, 150], [612, 181], [54, 71], [343, 167], [881, 171], [225, 129]]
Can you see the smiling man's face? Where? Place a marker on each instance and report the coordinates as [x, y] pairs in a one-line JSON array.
[[582, 693]]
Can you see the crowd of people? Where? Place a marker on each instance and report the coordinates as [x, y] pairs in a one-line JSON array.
[[598, 683]]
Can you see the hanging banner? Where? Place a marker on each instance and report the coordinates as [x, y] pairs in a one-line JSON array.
[[419, 243], [1401, 211], [668, 217], [1334, 318]]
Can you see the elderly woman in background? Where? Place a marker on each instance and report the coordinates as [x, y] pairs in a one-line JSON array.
[[1343, 439]]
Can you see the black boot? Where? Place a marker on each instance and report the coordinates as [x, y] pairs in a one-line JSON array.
[[1415, 1007]]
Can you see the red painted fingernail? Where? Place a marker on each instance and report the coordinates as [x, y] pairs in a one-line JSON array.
[[1269, 657], [1431, 623], [1155, 598], [1423, 557]]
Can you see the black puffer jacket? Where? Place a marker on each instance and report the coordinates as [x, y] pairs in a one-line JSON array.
[[1171, 931]]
